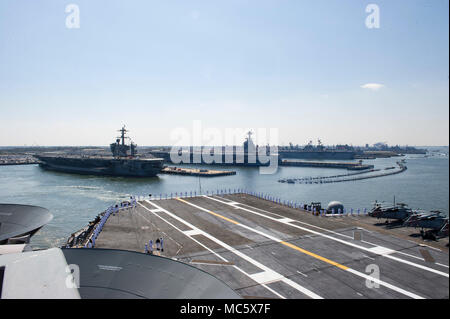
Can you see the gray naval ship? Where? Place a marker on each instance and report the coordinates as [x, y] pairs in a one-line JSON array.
[[241, 155], [319, 152], [246, 155], [119, 164]]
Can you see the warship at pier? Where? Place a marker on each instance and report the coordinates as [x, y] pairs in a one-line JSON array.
[[317, 152], [248, 154], [123, 162]]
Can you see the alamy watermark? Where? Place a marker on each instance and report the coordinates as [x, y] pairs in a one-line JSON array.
[[73, 17], [373, 19], [238, 146], [73, 276], [374, 276]]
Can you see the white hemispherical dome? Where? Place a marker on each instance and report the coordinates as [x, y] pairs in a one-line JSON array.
[[336, 206]]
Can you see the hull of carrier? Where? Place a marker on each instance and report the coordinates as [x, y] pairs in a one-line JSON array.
[[319, 155], [108, 167]]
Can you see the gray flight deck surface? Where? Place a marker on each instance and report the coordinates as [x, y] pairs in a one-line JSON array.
[[265, 250]]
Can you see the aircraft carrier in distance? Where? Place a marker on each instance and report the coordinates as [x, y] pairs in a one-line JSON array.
[[319, 152], [245, 155], [119, 164]]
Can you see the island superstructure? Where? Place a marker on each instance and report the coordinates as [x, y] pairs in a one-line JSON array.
[[248, 154]]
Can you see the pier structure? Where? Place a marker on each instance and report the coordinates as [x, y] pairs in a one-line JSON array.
[[356, 176], [195, 171], [345, 165], [263, 246]]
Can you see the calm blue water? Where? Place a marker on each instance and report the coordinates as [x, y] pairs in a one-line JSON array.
[[75, 199]]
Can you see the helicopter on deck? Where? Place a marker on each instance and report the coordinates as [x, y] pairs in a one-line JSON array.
[[434, 221], [399, 211]]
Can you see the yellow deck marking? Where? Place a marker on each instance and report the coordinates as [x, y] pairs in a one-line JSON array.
[[315, 256], [282, 242]]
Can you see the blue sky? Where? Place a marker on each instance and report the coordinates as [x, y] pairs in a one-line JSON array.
[[299, 66]]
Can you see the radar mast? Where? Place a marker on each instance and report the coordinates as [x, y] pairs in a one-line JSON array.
[[119, 148]]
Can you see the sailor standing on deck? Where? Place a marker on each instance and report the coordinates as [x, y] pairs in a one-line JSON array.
[[150, 246], [132, 202], [158, 243]]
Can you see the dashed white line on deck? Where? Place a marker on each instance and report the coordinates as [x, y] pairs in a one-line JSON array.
[[269, 273], [331, 237], [304, 251]]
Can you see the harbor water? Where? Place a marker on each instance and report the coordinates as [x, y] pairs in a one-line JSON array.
[[74, 200]]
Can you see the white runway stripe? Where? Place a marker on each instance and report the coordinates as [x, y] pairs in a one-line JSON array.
[[334, 238], [355, 272], [192, 232], [351, 237], [339, 234], [286, 220], [238, 253], [392, 287]]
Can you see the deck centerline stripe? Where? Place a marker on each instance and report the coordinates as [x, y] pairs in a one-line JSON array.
[[201, 244], [330, 231], [315, 255], [288, 281], [270, 237], [342, 267], [335, 239], [207, 248]]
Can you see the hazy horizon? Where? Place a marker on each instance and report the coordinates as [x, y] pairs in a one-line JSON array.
[[309, 69]]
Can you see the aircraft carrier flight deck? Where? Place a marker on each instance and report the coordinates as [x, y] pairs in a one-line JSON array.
[[262, 249]]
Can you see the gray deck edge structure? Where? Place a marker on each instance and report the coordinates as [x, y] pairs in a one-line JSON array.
[[18, 220], [36, 275], [114, 273]]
